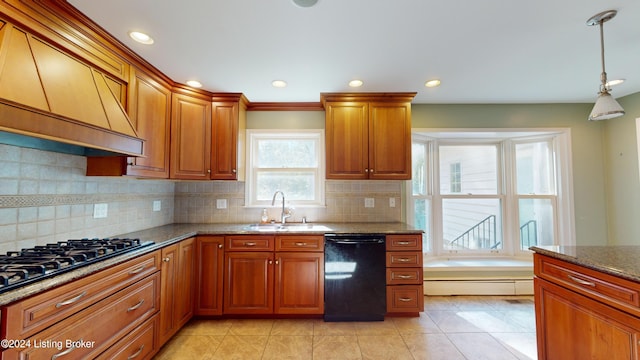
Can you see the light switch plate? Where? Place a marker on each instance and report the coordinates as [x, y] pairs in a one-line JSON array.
[[369, 202], [100, 211], [392, 202], [157, 205], [221, 203]]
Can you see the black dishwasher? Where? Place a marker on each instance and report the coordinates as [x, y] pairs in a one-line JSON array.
[[354, 277]]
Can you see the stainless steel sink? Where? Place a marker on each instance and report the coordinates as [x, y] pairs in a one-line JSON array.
[[293, 227]]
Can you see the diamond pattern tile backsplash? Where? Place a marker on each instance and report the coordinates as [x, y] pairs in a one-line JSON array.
[[46, 197]]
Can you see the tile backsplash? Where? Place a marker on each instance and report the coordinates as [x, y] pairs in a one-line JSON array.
[[46, 197]]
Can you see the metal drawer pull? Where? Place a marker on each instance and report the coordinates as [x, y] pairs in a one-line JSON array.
[[301, 244], [66, 352], [404, 243], [70, 301], [582, 282], [404, 259], [250, 244], [136, 353], [136, 306], [137, 271], [167, 259], [404, 276], [405, 299]]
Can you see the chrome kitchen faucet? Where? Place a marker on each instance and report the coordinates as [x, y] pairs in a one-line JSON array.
[[284, 215]]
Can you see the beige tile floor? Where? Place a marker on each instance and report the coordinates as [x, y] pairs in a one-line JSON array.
[[451, 328]]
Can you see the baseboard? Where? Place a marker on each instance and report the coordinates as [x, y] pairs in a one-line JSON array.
[[479, 287]]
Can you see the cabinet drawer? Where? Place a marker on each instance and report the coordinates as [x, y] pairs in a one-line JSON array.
[[38, 312], [300, 243], [404, 242], [139, 344], [396, 276], [603, 287], [249, 243], [405, 299], [97, 327], [404, 259]]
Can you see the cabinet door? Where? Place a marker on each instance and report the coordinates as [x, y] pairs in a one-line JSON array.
[[168, 282], [248, 283], [185, 282], [228, 121], [190, 138], [150, 113], [299, 283], [390, 141], [210, 267], [347, 140], [571, 326]]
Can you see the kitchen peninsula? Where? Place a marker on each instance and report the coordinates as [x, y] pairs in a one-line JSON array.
[[587, 301], [196, 270]]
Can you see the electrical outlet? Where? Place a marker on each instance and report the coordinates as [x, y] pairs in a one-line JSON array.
[[392, 202], [221, 203], [157, 205], [369, 202], [100, 211]]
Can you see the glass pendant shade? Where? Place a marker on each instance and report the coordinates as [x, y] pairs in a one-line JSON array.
[[606, 107]]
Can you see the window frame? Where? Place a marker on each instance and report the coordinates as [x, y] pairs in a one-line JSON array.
[[254, 135], [560, 138]]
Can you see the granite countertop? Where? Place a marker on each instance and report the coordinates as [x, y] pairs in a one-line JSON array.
[[621, 261], [172, 233]]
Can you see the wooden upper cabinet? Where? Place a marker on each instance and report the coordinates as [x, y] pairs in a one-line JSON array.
[[190, 138], [347, 140], [150, 112], [228, 126], [390, 140], [368, 135]]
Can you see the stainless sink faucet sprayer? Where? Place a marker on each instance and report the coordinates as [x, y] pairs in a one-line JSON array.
[[284, 215]]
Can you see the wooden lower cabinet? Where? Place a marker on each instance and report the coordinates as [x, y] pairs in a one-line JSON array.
[[178, 286], [405, 293], [584, 314], [210, 255], [280, 282]]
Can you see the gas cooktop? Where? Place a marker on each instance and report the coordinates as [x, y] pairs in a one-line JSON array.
[[19, 268]]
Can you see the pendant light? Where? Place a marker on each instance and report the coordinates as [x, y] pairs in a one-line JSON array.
[[606, 107]]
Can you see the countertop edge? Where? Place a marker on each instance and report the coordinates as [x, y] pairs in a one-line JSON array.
[[173, 233]]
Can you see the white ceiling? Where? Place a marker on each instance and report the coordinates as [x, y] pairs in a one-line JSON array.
[[488, 51]]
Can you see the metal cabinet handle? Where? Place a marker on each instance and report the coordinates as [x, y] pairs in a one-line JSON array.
[[135, 355], [405, 299], [301, 244], [404, 259], [277, 262], [270, 262], [219, 246], [371, 170], [136, 306], [404, 243], [404, 276], [233, 171], [581, 282], [66, 352], [70, 301], [250, 244], [167, 259], [137, 271]]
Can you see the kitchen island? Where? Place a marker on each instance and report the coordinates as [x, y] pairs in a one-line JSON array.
[[587, 302]]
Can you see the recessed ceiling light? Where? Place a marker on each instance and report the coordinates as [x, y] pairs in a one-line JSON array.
[[194, 83], [355, 83], [279, 83], [615, 82], [141, 37], [305, 3], [432, 83]]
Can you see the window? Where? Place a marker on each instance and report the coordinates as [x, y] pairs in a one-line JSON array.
[[289, 161], [491, 193]]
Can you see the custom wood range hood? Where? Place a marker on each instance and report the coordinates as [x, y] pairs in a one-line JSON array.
[[48, 94]]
